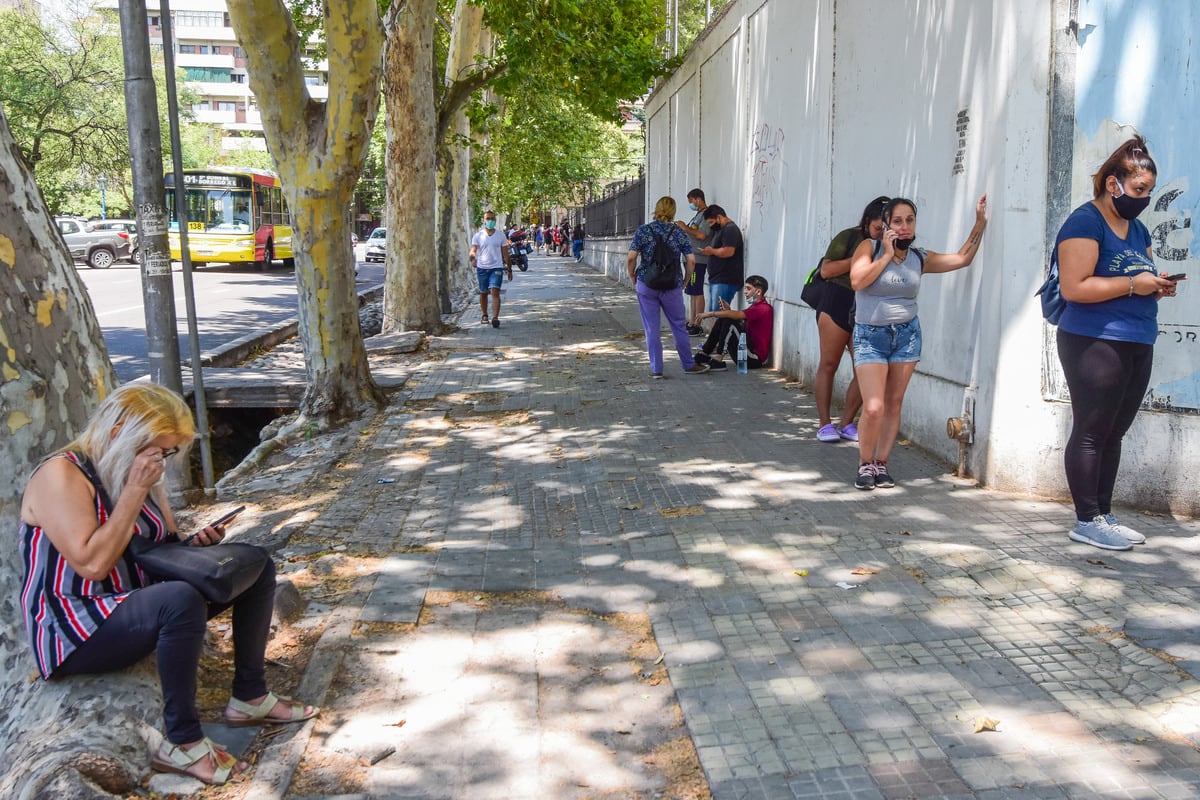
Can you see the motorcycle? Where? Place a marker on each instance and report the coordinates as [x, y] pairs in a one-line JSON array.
[[519, 249]]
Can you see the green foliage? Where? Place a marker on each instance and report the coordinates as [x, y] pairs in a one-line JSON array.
[[692, 20], [64, 94], [595, 53], [549, 151]]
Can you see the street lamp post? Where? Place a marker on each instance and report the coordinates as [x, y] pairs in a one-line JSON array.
[[103, 181]]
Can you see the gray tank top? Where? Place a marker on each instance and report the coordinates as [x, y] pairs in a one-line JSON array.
[[892, 298]]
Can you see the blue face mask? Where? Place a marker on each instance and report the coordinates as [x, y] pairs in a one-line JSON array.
[[490, 224], [692, 206]]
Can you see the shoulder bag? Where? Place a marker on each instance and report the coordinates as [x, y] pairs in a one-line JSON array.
[[220, 572], [1053, 303]]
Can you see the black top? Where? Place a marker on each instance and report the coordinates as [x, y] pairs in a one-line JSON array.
[[732, 269]]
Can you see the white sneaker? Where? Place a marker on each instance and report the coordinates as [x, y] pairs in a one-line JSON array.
[[1124, 530], [1097, 533]]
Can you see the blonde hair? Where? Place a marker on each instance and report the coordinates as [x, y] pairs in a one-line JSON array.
[[664, 209], [127, 422]]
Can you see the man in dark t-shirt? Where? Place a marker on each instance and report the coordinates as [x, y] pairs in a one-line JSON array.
[[726, 267]]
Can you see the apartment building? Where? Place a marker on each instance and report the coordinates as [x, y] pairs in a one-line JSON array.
[[207, 51]]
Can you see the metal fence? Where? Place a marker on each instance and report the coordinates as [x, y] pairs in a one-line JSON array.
[[619, 210]]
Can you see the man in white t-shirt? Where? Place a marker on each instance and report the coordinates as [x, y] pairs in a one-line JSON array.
[[489, 257]]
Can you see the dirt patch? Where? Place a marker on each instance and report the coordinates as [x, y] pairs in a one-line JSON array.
[[589, 680]]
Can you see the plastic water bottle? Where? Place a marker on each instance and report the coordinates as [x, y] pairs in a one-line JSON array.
[[743, 365]]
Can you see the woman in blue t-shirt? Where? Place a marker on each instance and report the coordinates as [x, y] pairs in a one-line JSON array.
[[1107, 332]]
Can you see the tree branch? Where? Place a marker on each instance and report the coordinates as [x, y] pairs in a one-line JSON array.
[[460, 91]]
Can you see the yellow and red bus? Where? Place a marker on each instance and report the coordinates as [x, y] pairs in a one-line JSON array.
[[235, 216]]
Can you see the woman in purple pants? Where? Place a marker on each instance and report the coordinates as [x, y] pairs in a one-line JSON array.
[[654, 302]]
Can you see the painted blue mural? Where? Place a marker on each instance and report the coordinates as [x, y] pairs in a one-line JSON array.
[[1137, 66]]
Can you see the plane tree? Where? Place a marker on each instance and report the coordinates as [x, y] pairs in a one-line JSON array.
[[319, 148]]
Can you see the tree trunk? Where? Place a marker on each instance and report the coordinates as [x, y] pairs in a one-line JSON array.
[[318, 150], [55, 738], [454, 161], [410, 294]]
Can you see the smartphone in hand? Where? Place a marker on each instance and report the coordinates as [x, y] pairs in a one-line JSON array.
[[228, 518], [1178, 276], [224, 520]]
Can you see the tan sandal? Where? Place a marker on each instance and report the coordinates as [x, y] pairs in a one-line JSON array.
[[261, 714], [179, 760]]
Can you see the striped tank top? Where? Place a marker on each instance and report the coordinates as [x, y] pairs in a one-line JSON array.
[[61, 609]]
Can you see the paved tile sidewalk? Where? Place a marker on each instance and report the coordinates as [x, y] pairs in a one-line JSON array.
[[822, 642]]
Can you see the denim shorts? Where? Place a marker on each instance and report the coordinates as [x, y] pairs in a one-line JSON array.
[[724, 291], [489, 279], [887, 344]]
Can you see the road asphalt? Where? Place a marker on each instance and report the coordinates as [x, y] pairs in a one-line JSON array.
[[540, 574]]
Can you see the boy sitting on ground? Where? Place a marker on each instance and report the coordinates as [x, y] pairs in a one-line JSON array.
[[757, 322]]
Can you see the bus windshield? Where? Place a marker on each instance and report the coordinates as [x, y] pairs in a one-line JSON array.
[[216, 210]]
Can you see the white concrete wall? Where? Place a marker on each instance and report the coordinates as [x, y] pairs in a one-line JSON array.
[[793, 114]]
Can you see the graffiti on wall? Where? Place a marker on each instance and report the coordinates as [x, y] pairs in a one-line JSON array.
[[769, 170]]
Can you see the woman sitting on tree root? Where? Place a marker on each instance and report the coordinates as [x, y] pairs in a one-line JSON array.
[[89, 608]]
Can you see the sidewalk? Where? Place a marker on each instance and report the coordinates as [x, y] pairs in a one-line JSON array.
[[507, 552]]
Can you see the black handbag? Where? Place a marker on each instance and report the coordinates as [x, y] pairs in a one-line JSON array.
[[220, 572], [814, 287]]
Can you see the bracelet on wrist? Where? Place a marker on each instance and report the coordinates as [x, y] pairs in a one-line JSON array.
[[1130, 286]]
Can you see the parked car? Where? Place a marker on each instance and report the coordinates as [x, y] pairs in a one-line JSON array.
[[127, 225], [377, 245], [96, 248]]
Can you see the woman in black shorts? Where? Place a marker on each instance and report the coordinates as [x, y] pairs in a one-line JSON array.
[[834, 323]]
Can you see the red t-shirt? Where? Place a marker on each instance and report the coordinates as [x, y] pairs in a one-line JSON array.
[[760, 324]]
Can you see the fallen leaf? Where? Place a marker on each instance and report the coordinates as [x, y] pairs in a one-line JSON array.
[[683, 511], [399, 724], [803, 573], [864, 571], [985, 724], [632, 506]]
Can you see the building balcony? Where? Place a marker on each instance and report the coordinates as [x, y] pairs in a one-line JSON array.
[[215, 117], [199, 60]]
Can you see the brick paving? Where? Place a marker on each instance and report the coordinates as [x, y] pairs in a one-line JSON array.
[[539, 458]]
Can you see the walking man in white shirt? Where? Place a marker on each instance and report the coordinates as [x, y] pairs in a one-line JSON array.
[[489, 257]]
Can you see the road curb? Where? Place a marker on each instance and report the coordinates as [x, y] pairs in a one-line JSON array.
[[233, 353]]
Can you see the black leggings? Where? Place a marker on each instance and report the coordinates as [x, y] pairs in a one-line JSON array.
[[723, 338], [169, 619], [1108, 381]]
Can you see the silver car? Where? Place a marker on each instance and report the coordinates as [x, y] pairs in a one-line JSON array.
[[130, 228], [99, 249], [377, 245]]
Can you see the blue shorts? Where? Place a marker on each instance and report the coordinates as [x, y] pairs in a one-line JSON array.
[[695, 288], [887, 344], [489, 279], [725, 291]]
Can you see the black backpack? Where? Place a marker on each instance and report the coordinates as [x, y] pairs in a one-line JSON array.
[[662, 270]]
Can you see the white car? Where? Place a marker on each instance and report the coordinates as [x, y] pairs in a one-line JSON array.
[[377, 245]]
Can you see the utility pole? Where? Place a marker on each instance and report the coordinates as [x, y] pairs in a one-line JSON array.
[[149, 193], [141, 108]]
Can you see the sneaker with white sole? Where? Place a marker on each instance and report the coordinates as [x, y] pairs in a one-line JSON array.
[[828, 433], [849, 433], [1098, 533], [883, 480], [865, 479], [1132, 536]]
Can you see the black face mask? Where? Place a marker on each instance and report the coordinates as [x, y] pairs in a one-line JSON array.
[[1129, 207], [716, 226], [903, 244]]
